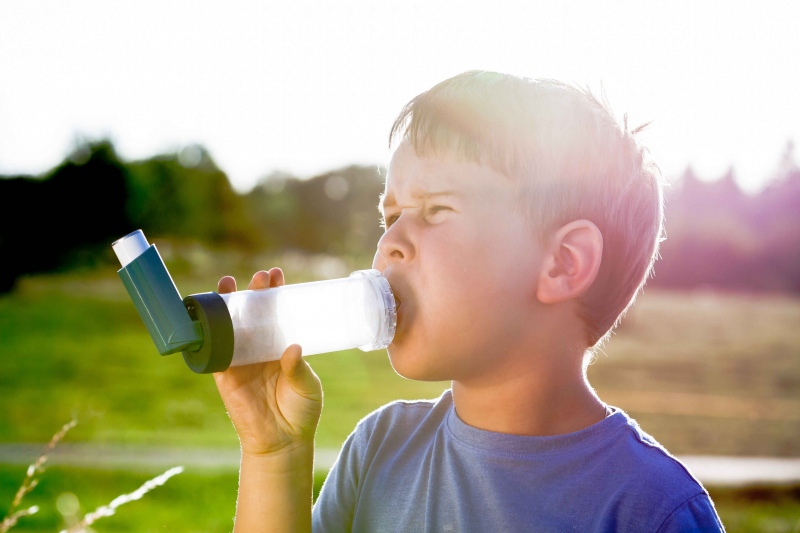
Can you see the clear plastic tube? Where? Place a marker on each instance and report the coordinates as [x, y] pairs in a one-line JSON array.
[[320, 316]]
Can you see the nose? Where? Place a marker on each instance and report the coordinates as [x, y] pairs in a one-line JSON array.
[[395, 245]]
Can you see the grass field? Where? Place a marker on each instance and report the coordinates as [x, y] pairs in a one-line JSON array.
[[704, 373], [709, 373]]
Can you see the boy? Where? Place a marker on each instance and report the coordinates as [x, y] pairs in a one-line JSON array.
[[520, 223]]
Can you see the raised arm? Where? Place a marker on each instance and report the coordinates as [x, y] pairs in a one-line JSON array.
[[275, 408]]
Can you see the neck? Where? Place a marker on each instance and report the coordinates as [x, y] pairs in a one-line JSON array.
[[531, 399]]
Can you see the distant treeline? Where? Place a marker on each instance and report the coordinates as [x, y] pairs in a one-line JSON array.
[[69, 216], [717, 236], [720, 237]]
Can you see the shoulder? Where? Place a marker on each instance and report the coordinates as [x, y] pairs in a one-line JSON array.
[[405, 416], [695, 514], [649, 456], [401, 424], [660, 480], [391, 435], [399, 428]]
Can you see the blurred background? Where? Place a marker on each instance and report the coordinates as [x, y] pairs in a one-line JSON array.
[[249, 136]]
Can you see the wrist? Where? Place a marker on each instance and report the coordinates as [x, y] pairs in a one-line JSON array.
[[275, 490], [257, 443], [292, 458]]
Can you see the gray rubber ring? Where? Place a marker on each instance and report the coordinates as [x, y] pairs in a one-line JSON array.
[[216, 353]]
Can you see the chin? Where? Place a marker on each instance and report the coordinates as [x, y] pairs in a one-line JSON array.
[[415, 366]]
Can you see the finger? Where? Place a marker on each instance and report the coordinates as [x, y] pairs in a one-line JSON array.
[[260, 280], [226, 284], [276, 277]]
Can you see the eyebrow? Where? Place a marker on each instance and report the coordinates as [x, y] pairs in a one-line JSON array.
[[387, 200]]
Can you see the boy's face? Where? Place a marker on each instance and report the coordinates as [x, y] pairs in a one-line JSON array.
[[462, 263]]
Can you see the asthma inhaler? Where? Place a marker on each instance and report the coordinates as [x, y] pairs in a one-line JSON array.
[[217, 331]]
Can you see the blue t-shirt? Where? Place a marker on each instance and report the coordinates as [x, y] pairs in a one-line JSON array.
[[416, 466]]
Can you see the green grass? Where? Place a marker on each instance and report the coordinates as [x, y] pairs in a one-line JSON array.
[[187, 502], [758, 509]]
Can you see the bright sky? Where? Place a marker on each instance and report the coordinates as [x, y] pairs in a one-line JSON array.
[[309, 86]]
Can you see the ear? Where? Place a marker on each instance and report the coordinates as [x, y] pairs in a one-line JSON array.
[[571, 262]]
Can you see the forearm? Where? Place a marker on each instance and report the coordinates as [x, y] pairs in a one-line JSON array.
[[275, 492]]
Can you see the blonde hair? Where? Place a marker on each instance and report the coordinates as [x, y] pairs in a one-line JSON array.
[[570, 159]]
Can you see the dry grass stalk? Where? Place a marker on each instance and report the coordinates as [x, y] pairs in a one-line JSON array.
[[110, 509], [30, 481], [11, 520]]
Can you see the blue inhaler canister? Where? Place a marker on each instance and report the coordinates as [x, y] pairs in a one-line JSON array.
[[155, 296]]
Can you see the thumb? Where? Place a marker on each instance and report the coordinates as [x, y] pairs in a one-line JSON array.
[[300, 375]]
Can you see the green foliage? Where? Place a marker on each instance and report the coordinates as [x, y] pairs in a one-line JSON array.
[[93, 198], [169, 196], [335, 213], [59, 220]]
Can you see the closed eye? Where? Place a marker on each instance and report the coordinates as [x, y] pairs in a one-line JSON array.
[[387, 222], [432, 210]]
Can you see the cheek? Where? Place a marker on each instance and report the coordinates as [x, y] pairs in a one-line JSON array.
[[489, 267], [458, 289]]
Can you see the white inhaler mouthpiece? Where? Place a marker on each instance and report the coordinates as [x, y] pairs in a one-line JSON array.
[[321, 316]]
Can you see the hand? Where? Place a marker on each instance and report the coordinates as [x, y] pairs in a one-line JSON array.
[[274, 406]]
